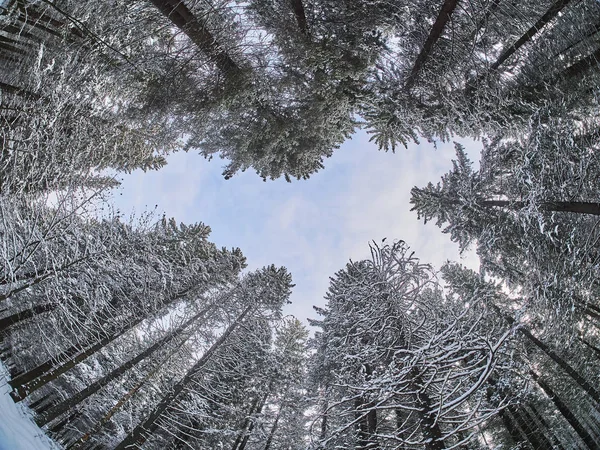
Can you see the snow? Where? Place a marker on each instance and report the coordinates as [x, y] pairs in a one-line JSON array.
[[17, 429]]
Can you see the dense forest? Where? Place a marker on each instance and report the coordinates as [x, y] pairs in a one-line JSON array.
[[122, 335]]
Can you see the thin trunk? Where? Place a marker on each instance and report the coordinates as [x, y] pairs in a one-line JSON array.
[[574, 207], [366, 421], [535, 434], [572, 72], [434, 34], [595, 29], [587, 387], [64, 406], [124, 399], [537, 415], [199, 34], [57, 365], [256, 405], [273, 430], [547, 17], [509, 423], [566, 412], [252, 424], [140, 433], [593, 347], [26, 314], [25, 286], [300, 15], [430, 429]]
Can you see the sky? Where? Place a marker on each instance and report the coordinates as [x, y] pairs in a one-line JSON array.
[[312, 227]]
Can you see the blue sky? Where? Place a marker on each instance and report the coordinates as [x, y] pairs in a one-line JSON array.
[[312, 227]]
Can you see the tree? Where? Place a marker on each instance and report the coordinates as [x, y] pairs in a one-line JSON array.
[[404, 364]]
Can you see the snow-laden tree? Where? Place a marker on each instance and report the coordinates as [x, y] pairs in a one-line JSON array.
[[259, 296], [561, 407], [401, 363], [531, 210]]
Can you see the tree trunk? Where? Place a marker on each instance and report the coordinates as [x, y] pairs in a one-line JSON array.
[[139, 434], [535, 435], [429, 428], [186, 21], [26, 314], [587, 387], [300, 15], [35, 378], [536, 414], [566, 412], [64, 406], [574, 207], [542, 21], [593, 347], [434, 34], [509, 423], [248, 432], [273, 430], [257, 405]]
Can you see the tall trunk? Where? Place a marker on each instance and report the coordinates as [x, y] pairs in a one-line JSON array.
[[24, 315], [139, 434], [300, 15], [542, 21], [431, 431], [123, 400], [25, 286], [199, 34], [509, 423], [64, 406], [434, 34], [35, 378], [574, 207], [535, 435], [366, 420], [273, 430], [252, 424], [582, 382], [540, 418], [592, 346], [566, 412], [257, 404]]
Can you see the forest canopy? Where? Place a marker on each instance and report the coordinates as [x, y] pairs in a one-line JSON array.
[[120, 334]]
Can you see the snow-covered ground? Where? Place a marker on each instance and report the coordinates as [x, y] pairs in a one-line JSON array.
[[17, 429]]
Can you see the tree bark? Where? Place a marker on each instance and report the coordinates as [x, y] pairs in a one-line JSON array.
[[273, 430], [26, 314], [434, 34], [566, 412], [188, 23], [542, 21], [582, 382], [64, 406], [257, 405], [139, 434], [574, 207], [35, 378], [300, 15]]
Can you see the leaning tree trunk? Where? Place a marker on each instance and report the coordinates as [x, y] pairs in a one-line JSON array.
[[30, 381], [566, 412], [65, 405], [582, 382], [573, 207], [553, 12], [434, 34], [24, 315], [256, 407], [273, 430], [199, 34], [141, 432]]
